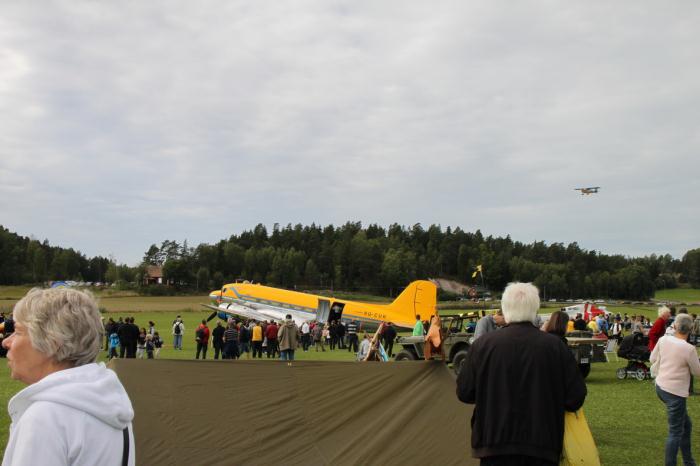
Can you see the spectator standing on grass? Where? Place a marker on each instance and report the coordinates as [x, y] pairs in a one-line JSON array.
[[151, 327], [616, 330], [134, 338], [333, 333], [318, 337], [123, 333], [231, 341], [110, 328], [157, 344], [244, 340], [218, 339], [638, 325], [327, 334], [579, 323], [113, 344], [202, 338], [305, 336], [141, 344], [676, 360], [178, 330], [659, 328], [287, 337], [389, 337], [696, 328], [341, 330], [149, 346], [272, 343], [521, 381], [352, 336], [257, 339]]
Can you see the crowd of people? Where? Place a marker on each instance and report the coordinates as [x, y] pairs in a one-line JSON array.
[[237, 338], [124, 339], [242, 338]]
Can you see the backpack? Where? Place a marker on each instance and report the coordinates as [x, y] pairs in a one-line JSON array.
[[177, 328], [200, 334]]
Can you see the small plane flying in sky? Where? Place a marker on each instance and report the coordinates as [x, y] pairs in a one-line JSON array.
[[259, 302], [590, 190]]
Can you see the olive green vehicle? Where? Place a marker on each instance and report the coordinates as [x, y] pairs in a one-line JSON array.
[[458, 332]]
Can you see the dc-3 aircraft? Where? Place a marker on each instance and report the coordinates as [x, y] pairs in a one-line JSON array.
[[590, 190], [259, 302]]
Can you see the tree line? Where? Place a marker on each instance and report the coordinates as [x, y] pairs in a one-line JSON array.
[[372, 259]]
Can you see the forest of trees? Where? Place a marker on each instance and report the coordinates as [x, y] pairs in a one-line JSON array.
[[371, 259]]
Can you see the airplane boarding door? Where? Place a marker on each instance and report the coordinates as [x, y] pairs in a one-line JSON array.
[[336, 312], [323, 311]]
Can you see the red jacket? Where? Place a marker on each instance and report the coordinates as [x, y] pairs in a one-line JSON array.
[[271, 332], [205, 339], [657, 331]]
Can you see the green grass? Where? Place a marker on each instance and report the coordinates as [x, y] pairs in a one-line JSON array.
[[680, 295]]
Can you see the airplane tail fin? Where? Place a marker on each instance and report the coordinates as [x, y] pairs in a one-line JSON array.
[[419, 298]]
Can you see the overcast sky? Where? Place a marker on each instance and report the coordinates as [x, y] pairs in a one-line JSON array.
[[126, 123]]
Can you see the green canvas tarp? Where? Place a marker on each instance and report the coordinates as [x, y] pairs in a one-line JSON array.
[[312, 413]]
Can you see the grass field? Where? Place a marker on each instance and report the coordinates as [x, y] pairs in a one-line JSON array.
[[680, 295], [627, 420]]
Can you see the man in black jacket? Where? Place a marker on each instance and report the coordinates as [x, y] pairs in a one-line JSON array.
[[521, 380]]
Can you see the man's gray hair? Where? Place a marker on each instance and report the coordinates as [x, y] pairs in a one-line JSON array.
[[683, 324], [520, 302], [663, 310], [63, 324]]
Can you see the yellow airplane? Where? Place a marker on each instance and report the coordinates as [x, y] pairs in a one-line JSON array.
[[255, 301]]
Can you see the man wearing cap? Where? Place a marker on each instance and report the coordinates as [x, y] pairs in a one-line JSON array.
[[489, 323], [521, 381]]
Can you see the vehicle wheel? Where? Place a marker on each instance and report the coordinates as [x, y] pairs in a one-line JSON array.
[[621, 373], [405, 355], [640, 374], [585, 369], [458, 361]]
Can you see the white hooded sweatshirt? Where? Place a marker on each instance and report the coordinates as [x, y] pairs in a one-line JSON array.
[[71, 417]]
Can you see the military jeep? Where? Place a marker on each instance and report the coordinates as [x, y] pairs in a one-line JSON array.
[[457, 332]]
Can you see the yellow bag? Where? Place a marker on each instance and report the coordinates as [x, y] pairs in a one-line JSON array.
[[579, 447]]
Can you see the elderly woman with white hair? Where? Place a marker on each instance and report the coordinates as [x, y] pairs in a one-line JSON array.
[[674, 360], [74, 411]]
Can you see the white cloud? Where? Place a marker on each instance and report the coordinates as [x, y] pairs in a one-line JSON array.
[[127, 123]]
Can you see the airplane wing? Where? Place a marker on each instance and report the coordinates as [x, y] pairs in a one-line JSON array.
[[236, 310]]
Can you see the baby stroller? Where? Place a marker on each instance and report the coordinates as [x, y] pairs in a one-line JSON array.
[[634, 348]]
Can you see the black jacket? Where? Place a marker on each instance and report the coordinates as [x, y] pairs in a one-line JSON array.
[[521, 380]]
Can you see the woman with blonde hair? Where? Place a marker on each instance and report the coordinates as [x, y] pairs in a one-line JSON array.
[[74, 411]]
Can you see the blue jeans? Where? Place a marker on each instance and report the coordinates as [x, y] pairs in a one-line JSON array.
[[177, 341], [679, 428], [287, 355]]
